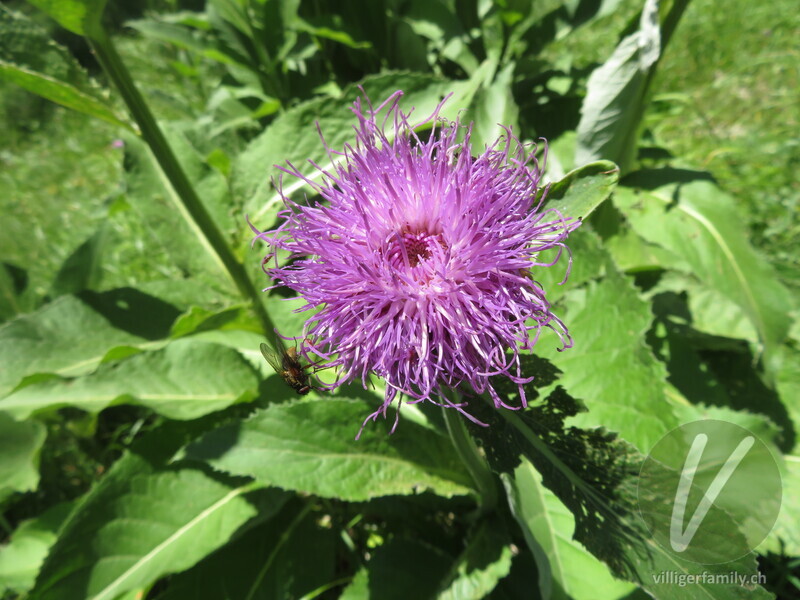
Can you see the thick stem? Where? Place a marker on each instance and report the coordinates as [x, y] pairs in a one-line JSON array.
[[468, 452], [191, 203]]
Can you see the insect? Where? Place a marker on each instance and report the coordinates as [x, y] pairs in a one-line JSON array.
[[286, 363]]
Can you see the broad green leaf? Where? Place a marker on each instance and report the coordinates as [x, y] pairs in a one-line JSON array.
[[615, 95], [293, 137], [583, 189], [548, 524], [174, 232], [289, 556], [697, 223], [608, 319], [594, 474], [617, 91], [82, 270], [30, 59], [485, 561], [22, 557], [308, 446], [139, 524], [75, 15], [71, 335], [60, 92], [492, 109], [20, 443], [184, 380]]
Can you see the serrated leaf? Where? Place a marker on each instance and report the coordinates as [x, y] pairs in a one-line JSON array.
[[583, 189], [138, 524], [308, 446], [607, 320], [697, 223], [184, 380], [548, 524], [71, 335], [20, 443]]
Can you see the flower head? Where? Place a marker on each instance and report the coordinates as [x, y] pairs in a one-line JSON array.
[[421, 257]]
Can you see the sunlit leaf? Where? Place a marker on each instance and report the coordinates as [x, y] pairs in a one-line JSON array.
[[22, 557], [71, 335], [309, 446], [668, 211], [583, 189], [547, 523], [184, 380], [140, 523]]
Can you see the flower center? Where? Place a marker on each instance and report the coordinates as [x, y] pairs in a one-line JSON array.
[[417, 247], [412, 249]]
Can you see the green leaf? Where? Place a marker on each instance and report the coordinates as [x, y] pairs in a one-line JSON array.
[[549, 525], [493, 108], [60, 93], [20, 443], [617, 91], [139, 524], [22, 557], [184, 380], [615, 95], [594, 474], [308, 446], [483, 563], [71, 335], [13, 282], [82, 270], [31, 60], [289, 556], [608, 319], [583, 189], [697, 223], [175, 234], [75, 15]]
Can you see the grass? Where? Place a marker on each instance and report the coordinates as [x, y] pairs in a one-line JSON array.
[[726, 100]]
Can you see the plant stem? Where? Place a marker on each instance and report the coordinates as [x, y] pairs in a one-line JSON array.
[[190, 202], [472, 459]]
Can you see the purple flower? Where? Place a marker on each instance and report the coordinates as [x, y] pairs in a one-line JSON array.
[[421, 258]]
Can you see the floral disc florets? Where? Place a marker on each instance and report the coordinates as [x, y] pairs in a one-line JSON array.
[[419, 257]]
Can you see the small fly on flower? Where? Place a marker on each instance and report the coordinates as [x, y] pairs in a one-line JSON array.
[[286, 363]]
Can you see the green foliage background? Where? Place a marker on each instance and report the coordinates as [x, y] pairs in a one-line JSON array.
[[146, 449]]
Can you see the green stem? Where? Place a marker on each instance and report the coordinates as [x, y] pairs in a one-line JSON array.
[[151, 133], [468, 452]]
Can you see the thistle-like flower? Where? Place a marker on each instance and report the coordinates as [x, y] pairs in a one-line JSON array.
[[421, 258]]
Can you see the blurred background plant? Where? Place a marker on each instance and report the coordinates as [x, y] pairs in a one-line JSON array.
[[145, 445]]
